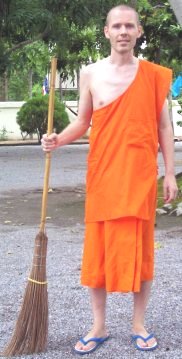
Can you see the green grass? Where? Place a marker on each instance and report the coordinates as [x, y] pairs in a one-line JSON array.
[[160, 202]]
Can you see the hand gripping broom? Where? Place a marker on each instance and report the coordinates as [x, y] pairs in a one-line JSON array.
[[30, 333]]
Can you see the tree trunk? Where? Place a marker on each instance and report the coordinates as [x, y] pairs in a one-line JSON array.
[[78, 84], [78, 79], [158, 55], [1, 88], [30, 75], [4, 87], [60, 88]]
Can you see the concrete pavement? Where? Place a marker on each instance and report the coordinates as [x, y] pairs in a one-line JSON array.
[[69, 311]]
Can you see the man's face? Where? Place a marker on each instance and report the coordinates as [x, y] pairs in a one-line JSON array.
[[122, 30]]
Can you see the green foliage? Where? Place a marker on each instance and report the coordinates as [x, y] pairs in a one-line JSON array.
[[33, 115], [28, 68], [162, 34], [36, 90], [21, 21], [32, 31], [70, 95], [35, 56], [18, 87], [80, 47]]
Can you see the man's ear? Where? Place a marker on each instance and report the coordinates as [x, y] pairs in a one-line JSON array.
[[140, 31], [106, 32]]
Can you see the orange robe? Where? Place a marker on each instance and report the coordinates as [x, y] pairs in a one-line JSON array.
[[121, 181]]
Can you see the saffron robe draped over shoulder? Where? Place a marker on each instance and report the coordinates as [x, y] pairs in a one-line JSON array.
[[122, 165]]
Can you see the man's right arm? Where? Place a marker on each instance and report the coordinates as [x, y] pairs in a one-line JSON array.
[[78, 128]]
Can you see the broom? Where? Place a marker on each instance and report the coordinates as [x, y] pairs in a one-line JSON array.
[[30, 333]]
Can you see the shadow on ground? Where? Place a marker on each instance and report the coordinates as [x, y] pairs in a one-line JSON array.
[[65, 208]]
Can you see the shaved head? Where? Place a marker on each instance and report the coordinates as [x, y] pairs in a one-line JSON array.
[[122, 8]]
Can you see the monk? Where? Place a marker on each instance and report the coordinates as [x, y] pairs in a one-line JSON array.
[[126, 99]]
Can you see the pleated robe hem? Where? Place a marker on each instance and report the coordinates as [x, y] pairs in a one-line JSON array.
[[118, 255], [92, 285]]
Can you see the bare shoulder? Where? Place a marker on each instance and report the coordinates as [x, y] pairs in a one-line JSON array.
[[90, 69]]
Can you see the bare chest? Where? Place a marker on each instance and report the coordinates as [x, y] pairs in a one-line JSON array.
[[108, 85]]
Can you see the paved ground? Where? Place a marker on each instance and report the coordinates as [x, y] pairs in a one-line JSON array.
[[20, 198], [22, 178]]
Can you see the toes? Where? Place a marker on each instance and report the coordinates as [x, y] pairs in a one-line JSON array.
[[80, 346], [88, 347], [146, 344], [142, 344], [151, 343], [77, 347]]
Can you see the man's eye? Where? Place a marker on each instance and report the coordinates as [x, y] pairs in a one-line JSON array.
[[130, 26]]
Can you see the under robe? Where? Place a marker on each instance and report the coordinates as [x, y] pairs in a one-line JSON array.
[[121, 184]]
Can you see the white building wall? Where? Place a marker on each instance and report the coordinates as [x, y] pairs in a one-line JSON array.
[[8, 112]]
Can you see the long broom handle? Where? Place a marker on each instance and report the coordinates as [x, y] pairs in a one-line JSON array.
[[48, 154]]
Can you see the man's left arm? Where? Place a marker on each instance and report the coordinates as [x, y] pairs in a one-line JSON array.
[[166, 143]]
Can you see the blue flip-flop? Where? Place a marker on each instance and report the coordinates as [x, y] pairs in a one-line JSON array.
[[146, 349], [98, 342]]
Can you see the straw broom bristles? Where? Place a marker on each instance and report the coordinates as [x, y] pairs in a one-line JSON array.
[[30, 333]]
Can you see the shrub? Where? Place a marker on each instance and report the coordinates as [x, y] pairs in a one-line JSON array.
[[3, 134], [33, 115]]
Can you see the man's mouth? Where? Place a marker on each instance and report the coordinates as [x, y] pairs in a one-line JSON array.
[[123, 41]]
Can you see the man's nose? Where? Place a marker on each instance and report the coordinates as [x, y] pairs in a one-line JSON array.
[[123, 30]]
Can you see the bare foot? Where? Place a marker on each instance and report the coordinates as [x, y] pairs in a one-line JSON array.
[[142, 331], [92, 334]]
